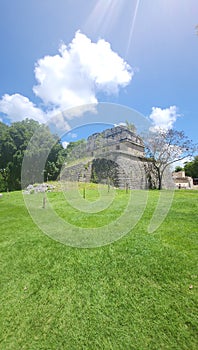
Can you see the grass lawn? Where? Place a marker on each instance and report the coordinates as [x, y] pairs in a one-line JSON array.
[[132, 294]]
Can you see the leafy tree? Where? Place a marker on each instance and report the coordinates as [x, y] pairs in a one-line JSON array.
[[75, 150], [54, 161], [191, 168], [6, 152], [164, 147], [178, 168], [42, 157], [14, 140]]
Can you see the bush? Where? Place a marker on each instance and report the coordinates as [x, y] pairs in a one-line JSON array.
[[3, 184]]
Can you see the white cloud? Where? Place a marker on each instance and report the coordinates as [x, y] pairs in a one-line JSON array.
[[17, 107], [164, 118], [65, 144], [71, 81], [79, 72]]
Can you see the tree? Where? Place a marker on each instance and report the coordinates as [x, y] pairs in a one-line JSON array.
[[130, 126], [13, 145], [178, 168], [164, 147], [74, 150], [191, 168], [7, 148], [42, 157], [14, 140]]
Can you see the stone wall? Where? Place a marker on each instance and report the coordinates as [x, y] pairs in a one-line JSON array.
[[77, 172], [130, 169]]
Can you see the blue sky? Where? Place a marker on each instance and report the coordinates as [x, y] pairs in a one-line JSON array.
[[151, 65]]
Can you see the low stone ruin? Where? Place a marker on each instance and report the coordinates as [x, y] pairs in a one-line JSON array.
[[38, 188]]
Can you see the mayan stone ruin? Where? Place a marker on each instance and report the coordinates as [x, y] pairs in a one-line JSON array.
[[114, 156]]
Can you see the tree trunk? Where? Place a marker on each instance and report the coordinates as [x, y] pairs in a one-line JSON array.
[[159, 179], [160, 182]]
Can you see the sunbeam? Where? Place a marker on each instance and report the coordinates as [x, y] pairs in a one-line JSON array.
[[132, 27], [104, 15]]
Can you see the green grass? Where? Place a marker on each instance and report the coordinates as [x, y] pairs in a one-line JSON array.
[[132, 294], [82, 219]]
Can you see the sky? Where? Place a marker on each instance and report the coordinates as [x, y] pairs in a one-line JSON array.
[[58, 55]]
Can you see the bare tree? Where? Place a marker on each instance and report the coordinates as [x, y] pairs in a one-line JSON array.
[[164, 147]]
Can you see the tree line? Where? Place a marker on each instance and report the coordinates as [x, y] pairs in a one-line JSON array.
[[14, 140], [162, 149]]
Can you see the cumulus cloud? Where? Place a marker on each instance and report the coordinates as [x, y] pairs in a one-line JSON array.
[[80, 70], [72, 78], [17, 107], [164, 118]]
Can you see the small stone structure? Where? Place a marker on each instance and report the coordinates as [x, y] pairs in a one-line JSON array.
[[181, 180], [115, 155], [38, 188]]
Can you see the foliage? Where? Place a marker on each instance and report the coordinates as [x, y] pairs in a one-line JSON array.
[[164, 147], [130, 126], [132, 294], [191, 168], [3, 182], [75, 150], [14, 140], [178, 168]]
